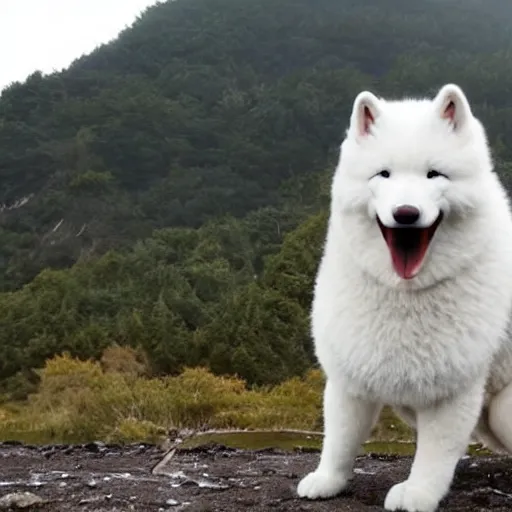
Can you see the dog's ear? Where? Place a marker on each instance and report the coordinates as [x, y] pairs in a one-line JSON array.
[[451, 104], [364, 113]]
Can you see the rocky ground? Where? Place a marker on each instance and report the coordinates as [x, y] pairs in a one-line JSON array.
[[99, 478]]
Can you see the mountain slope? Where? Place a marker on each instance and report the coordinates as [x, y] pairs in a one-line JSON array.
[[182, 173], [206, 107]]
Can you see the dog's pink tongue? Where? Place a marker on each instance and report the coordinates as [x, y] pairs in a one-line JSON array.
[[407, 263]]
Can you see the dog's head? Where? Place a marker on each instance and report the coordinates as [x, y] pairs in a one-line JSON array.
[[411, 173]]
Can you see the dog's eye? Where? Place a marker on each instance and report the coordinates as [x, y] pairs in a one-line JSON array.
[[384, 174], [434, 174]]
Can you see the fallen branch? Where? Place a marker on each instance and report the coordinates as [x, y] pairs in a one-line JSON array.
[[157, 468], [179, 436]]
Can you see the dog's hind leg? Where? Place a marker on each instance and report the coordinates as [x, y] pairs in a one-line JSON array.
[[484, 435], [500, 417]]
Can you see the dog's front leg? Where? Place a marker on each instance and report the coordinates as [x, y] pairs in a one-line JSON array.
[[347, 423], [444, 432]]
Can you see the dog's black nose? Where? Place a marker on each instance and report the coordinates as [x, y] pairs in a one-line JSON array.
[[406, 214]]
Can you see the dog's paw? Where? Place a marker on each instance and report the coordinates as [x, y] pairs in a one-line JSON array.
[[320, 484], [411, 498]]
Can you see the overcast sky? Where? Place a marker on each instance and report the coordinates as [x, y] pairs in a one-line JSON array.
[[48, 35]]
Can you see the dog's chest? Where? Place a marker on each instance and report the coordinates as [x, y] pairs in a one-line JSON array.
[[407, 349]]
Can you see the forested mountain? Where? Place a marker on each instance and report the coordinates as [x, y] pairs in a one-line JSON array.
[[176, 179]]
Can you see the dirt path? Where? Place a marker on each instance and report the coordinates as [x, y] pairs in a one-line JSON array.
[[100, 478]]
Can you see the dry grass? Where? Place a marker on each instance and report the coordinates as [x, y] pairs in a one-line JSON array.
[[80, 401]]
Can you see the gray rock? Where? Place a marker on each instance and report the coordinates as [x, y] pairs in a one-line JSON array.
[[20, 500]]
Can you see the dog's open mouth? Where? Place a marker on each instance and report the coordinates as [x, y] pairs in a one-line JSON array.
[[408, 246]]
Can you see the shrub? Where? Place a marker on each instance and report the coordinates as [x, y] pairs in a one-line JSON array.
[[112, 400]]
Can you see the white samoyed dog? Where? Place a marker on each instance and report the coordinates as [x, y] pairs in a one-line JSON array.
[[413, 295]]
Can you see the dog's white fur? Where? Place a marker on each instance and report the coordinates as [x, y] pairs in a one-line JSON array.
[[435, 347]]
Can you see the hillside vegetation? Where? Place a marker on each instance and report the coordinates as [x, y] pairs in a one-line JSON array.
[[169, 191]]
